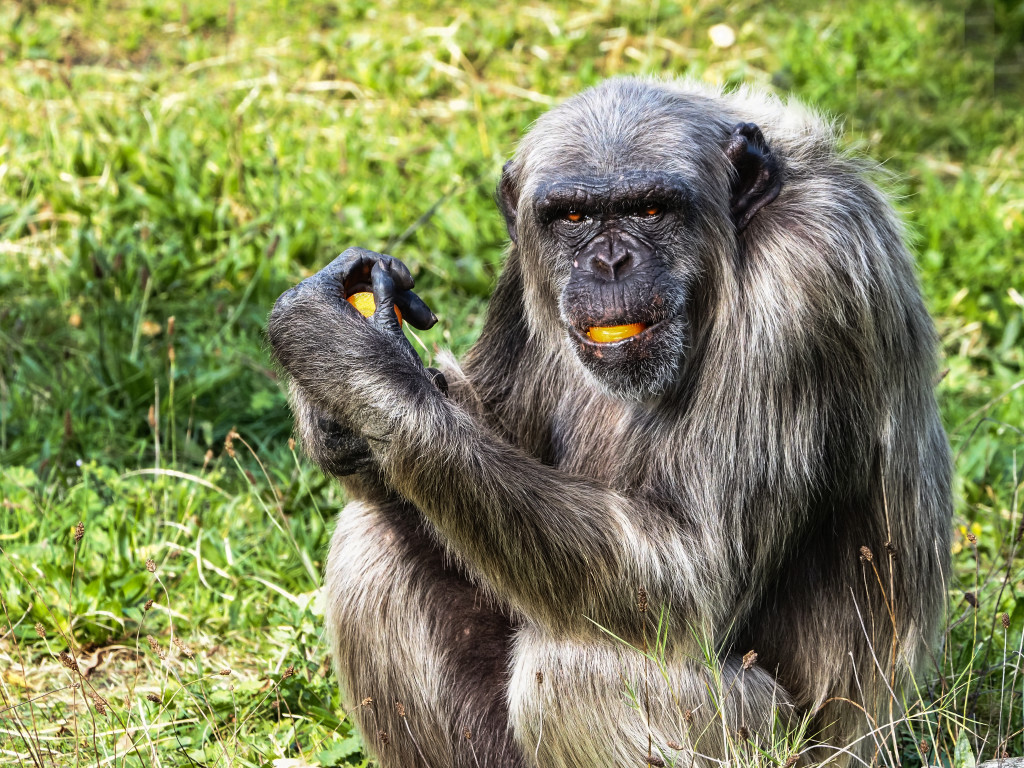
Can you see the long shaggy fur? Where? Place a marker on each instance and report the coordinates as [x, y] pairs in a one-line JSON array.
[[784, 490]]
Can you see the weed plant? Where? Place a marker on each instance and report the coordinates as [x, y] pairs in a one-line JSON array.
[[168, 168]]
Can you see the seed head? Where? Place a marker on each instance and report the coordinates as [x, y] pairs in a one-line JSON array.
[[467, 734], [170, 325], [1005, 619], [366, 702], [68, 661], [154, 698], [641, 600], [791, 761], [288, 672], [749, 659], [924, 747], [673, 745], [185, 650], [154, 646], [40, 630], [655, 761], [971, 537], [148, 605], [225, 672], [743, 732], [540, 678], [151, 565], [99, 703], [79, 531], [866, 555], [400, 708], [971, 598], [291, 443], [688, 716], [229, 443], [384, 738]]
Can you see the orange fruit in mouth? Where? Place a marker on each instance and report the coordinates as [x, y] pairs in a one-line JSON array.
[[367, 305], [609, 333]]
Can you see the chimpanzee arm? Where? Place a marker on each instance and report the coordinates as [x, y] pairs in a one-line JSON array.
[[552, 546]]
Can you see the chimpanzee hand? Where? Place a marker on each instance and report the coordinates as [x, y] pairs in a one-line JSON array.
[[349, 370], [336, 448]]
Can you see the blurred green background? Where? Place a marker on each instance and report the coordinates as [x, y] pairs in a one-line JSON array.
[[167, 169]]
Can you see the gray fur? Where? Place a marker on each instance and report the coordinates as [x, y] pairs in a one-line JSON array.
[[502, 534]]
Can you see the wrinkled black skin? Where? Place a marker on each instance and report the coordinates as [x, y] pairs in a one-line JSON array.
[[616, 244], [619, 272], [618, 248]]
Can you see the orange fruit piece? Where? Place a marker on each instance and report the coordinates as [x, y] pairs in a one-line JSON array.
[[609, 333], [366, 305]]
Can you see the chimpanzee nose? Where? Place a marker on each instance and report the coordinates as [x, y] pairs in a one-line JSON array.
[[612, 259]]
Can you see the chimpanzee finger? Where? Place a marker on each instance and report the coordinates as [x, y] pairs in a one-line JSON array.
[[399, 272], [414, 310], [350, 268], [384, 317], [329, 284]]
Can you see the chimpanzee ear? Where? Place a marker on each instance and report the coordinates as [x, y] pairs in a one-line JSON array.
[[758, 178], [508, 199]]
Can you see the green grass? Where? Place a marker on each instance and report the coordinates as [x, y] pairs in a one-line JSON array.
[[161, 161]]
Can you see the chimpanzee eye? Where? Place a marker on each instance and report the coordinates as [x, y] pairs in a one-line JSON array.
[[646, 212], [574, 216]]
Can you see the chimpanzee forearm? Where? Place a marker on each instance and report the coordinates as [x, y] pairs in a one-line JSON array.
[[542, 539]]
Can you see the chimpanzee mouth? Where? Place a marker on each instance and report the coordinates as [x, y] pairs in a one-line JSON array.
[[608, 337], [604, 334]]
